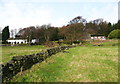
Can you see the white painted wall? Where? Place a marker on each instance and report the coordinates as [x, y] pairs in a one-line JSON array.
[[98, 38], [20, 41], [34, 40], [17, 41]]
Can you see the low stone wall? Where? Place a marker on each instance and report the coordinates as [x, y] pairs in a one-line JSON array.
[[21, 63]]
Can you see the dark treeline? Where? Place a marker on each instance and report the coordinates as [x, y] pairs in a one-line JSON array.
[[77, 29], [44, 33]]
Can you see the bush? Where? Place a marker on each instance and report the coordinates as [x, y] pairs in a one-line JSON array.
[[71, 42], [76, 42], [51, 44], [115, 34], [67, 42]]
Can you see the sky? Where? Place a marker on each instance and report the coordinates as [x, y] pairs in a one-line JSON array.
[[24, 13]]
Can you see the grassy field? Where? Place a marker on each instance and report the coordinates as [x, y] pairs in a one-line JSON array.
[[9, 51], [85, 63]]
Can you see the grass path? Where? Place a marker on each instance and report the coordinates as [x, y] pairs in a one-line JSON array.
[[79, 64]]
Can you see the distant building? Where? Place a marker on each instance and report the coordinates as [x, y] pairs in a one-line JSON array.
[[17, 41], [98, 37], [21, 41]]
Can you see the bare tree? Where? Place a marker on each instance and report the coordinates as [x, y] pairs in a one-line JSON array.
[[97, 21], [78, 19], [29, 33], [15, 31], [73, 32], [12, 33]]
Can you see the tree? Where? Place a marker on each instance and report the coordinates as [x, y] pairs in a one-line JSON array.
[[44, 33], [62, 32], [29, 33], [74, 32], [39, 34], [117, 25], [110, 28], [98, 21], [103, 28], [78, 19], [91, 28], [53, 33], [114, 34], [12, 33], [5, 34]]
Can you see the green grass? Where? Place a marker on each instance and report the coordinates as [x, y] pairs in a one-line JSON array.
[[79, 64], [9, 51], [104, 42]]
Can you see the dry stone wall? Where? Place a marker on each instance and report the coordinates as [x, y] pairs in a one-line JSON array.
[[21, 63]]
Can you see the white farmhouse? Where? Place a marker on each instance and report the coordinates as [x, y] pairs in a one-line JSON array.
[[98, 37], [17, 41], [21, 41]]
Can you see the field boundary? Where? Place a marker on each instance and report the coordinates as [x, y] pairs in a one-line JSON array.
[[21, 63]]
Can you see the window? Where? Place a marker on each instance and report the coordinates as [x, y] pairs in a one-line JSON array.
[[91, 37]]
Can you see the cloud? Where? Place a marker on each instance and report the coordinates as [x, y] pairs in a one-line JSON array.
[[109, 12], [68, 1], [60, 22], [23, 15]]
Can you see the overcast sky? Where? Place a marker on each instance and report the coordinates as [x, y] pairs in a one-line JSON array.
[[24, 13]]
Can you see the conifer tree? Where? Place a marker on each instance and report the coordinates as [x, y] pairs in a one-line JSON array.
[[5, 34]]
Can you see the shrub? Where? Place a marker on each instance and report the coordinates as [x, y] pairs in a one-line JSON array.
[[71, 42], [115, 34], [51, 44], [76, 42]]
